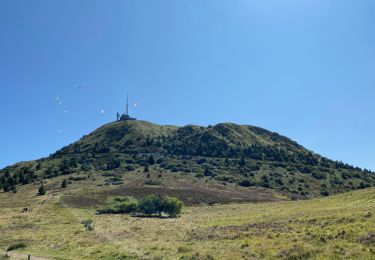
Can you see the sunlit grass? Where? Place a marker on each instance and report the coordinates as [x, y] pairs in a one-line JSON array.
[[336, 227]]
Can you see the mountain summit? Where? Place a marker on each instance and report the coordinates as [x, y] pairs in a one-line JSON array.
[[225, 155]]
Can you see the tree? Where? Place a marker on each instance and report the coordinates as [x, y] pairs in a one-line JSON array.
[[42, 190], [48, 172], [207, 172], [6, 187], [38, 166], [64, 183], [151, 160], [242, 162], [172, 206], [151, 204], [127, 205]]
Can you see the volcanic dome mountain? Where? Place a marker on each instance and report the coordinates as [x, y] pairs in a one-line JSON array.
[[240, 156]]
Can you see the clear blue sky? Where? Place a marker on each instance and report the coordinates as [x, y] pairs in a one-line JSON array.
[[303, 68]]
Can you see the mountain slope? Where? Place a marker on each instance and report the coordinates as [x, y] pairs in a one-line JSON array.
[[226, 154]]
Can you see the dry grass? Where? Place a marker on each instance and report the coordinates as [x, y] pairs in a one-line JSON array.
[[338, 227]]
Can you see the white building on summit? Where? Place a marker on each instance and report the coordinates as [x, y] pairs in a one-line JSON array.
[[125, 116]]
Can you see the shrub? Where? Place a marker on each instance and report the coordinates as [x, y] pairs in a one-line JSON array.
[[151, 182], [151, 160], [148, 205], [129, 168], [151, 204], [120, 205], [42, 190], [16, 246], [64, 183], [86, 167], [159, 161], [201, 160], [88, 224], [6, 187], [224, 178], [207, 172], [172, 206], [199, 175], [77, 178], [245, 183], [363, 185], [242, 162], [319, 175]]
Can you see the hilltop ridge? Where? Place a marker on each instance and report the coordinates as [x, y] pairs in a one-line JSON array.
[[225, 154]]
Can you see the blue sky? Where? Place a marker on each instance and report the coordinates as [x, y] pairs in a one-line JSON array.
[[303, 68]]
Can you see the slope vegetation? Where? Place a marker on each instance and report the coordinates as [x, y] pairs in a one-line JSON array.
[[225, 154]]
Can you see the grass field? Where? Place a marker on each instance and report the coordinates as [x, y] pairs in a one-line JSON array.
[[337, 227]]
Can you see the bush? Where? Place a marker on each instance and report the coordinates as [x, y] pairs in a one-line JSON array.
[[151, 160], [319, 175], [207, 172], [172, 206], [16, 246], [88, 224], [64, 183], [129, 168], [42, 190], [6, 187], [225, 178], [151, 182], [151, 204], [201, 160], [120, 205], [77, 178], [245, 183]]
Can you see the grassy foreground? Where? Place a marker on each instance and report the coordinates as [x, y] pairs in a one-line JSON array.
[[337, 227]]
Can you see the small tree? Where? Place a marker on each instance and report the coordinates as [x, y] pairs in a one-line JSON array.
[[41, 190], [207, 172], [242, 162], [172, 206], [6, 187], [151, 204], [64, 183], [151, 160]]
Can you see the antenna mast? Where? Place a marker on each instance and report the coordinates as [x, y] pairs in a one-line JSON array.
[[127, 104]]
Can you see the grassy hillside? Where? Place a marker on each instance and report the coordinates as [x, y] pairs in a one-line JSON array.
[[338, 227], [225, 154]]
